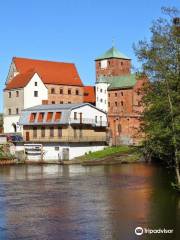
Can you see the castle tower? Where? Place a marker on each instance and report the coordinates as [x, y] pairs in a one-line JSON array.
[[110, 64]]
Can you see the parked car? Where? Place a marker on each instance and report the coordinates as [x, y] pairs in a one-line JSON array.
[[14, 138]]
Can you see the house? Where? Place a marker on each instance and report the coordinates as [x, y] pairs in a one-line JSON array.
[[118, 92], [31, 82], [63, 131]]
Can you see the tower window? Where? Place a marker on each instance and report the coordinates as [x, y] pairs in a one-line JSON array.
[[116, 104], [122, 103], [61, 91], [121, 93], [9, 111], [77, 92], [35, 83], [52, 90], [17, 110], [69, 91], [115, 94], [17, 93], [9, 94], [35, 93]]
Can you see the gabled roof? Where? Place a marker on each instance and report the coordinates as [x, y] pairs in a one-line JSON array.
[[118, 82], [20, 80], [59, 73], [112, 53], [89, 94]]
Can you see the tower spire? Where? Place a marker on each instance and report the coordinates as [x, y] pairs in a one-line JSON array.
[[113, 42]]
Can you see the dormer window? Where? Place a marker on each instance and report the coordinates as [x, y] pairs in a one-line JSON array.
[[40, 116], [32, 117], [104, 64], [49, 117], [57, 116]]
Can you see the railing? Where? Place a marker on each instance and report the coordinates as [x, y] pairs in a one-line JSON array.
[[70, 139], [90, 121]]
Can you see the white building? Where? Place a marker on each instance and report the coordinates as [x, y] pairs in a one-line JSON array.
[[63, 131], [23, 92]]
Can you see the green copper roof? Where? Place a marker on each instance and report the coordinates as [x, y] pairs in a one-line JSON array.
[[112, 53], [118, 82]]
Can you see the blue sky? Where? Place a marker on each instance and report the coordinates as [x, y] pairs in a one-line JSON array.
[[73, 30]]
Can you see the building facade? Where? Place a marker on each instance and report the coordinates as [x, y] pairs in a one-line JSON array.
[[31, 82], [118, 92], [64, 131]]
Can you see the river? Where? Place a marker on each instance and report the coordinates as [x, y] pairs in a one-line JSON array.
[[53, 202]]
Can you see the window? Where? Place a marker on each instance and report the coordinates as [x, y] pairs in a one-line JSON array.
[[61, 91], [75, 115], [108, 94], [69, 91], [9, 111], [56, 148], [52, 91], [121, 63], [40, 116], [108, 104], [9, 94], [43, 132], [53, 102], [75, 132], [34, 132], [116, 104], [80, 133], [122, 103], [101, 90], [17, 110], [57, 116], [77, 92], [115, 94], [17, 93], [95, 119], [61, 102], [104, 64], [101, 100], [35, 93], [121, 93], [51, 131], [59, 132], [35, 83], [109, 63], [32, 117], [49, 116], [69, 102], [119, 128]]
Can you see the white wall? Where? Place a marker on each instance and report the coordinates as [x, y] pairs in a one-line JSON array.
[[29, 99], [8, 124], [50, 154], [89, 112], [102, 96]]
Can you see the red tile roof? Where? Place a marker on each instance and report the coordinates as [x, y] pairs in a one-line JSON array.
[[20, 80], [89, 94], [50, 72]]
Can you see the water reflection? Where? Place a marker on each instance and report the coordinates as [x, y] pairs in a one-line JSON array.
[[75, 202]]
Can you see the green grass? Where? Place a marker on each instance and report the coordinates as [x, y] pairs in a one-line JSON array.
[[108, 152]]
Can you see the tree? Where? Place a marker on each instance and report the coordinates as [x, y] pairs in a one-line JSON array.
[[160, 59]]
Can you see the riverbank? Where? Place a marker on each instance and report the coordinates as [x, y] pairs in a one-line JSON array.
[[108, 156]]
